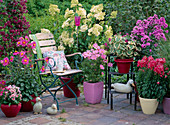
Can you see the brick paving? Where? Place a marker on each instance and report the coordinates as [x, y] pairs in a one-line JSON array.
[[89, 114]]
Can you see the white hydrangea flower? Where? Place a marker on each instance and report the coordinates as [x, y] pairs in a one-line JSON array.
[[81, 12], [100, 16], [83, 28]]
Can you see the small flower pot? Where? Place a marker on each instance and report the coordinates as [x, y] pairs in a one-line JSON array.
[[93, 92], [123, 65], [28, 106], [166, 105], [72, 85], [148, 106], [10, 111]]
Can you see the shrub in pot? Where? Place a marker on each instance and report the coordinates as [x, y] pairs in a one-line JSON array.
[[92, 67], [10, 98], [125, 50], [152, 80]]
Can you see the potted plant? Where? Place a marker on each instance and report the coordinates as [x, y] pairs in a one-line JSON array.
[[92, 67], [10, 98], [152, 80], [19, 66], [124, 49]]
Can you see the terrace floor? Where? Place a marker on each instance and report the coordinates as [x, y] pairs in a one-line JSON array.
[[89, 114]]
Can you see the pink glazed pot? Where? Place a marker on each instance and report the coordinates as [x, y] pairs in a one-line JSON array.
[[166, 105], [93, 92]]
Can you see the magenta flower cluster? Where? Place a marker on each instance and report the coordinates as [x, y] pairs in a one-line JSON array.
[[14, 24], [10, 95], [22, 54], [150, 31]]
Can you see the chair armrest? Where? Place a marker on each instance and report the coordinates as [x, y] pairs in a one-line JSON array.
[[76, 61]]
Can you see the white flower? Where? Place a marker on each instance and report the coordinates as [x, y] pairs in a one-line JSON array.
[[83, 28], [81, 12]]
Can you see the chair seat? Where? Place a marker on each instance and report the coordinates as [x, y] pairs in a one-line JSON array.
[[64, 73]]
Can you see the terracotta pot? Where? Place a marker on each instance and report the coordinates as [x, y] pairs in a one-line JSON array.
[[72, 85], [28, 106], [93, 92], [10, 111], [166, 105], [123, 65], [148, 106]]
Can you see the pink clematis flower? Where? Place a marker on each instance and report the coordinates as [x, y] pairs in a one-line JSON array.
[[101, 67], [15, 53], [33, 45], [42, 69], [22, 53], [5, 61], [11, 59], [25, 61], [46, 60], [19, 43], [24, 43]]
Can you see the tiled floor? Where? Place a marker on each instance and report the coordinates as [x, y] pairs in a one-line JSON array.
[[88, 114]]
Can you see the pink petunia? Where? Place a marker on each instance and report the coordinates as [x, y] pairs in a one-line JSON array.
[[93, 57], [101, 66], [103, 56], [110, 64], [22, 53], [42, 69], [101, 51], [25, 61], [11, 58], [95, 45]]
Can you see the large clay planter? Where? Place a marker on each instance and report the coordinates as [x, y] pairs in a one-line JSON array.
[[166, 105], [28, 106], [93, 92], [148, 106], [10, 111], [72, 85], [123, 65]]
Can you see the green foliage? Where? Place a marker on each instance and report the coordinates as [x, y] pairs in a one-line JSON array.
[[62, 119], [63, 111], [39, 7], [129, 11], [124, 48]]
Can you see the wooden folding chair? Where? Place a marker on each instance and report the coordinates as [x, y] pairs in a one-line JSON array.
[[45, 42]]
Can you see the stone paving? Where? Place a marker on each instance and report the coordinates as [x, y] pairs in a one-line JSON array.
[[89, 114]]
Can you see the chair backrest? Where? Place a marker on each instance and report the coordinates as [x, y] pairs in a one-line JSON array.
[[45, 40]]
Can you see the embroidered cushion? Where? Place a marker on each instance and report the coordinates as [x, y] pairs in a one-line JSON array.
[[59, 57]]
